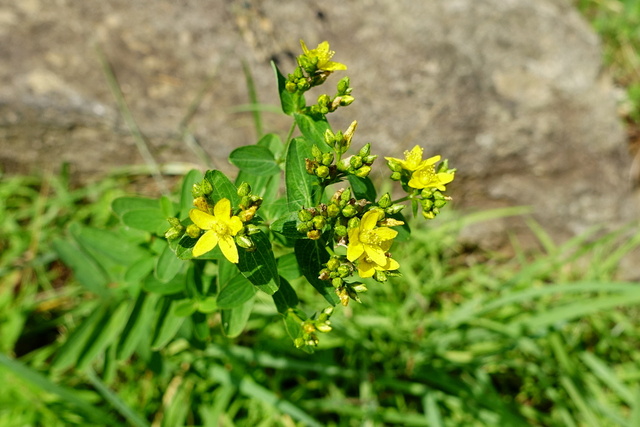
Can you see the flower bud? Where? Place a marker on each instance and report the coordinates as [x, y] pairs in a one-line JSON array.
[[174, 233], [314, 234], [291, 87], [201, 204], [322, 172], [359, 287], [344, 271], [337, 282], [394, 165], [316, 153], [319, 222], [344, 164], [333, 263], [327, 159], [346, 100], [343, 86], [380, 276], [340, 230], [355, 162], [196, 190], [333, 210], [244, 189], [251, 229], [439, 203], [353, 294], [363, 172], [396, 176], [310, 166], [244, 241], [345, 196], [323, 327], [174, 222], [304, 215], [348, 134], [193, 231], [207, 188], [428, 214], [349, 211], [303, 227], [427, 204], [393, 209], [385, 201], [343, 296], [353, 223], [365, 151], [303, 85], [368, 160], [329, 138]]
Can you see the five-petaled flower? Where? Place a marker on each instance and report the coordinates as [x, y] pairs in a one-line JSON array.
[[367, 268], [413, 159], [219, 230], [323, 55], [427, 177], [370, 240]]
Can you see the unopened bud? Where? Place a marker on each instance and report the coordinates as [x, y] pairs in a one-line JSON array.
[[355, 161], [329, 138], [428, 215], [314, 234], [333, 210], [193, 231], [349, 211], [304, 215], [353, 223], [363, 172], [196, 190], [319, 222], [207, 188], [348, 134], [322, 172], [174, 232], [201, 204], [380, 276], [365, 151], [396, 176], [340, 230], [251, 229], [385, 201], [316, 153], [244, 242], [394, 165], [344, 164], [337, 282], [344, 271], [244, 189], [345, 196], [343, 86], [359, 287], [327, 159], [346, 100], [393, 209], [291, 87]]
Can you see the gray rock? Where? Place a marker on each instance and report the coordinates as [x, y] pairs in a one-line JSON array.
[[511, 91]]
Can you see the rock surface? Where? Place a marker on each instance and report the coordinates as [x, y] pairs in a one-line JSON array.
[[511, 91]]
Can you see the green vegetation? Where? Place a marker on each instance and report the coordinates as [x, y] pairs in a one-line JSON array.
[[463, 338]]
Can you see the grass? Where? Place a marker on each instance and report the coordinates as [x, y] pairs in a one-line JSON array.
[[463, 339]]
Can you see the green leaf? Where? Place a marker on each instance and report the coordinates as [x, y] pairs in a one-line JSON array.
[[286, 226], [186, 198], [298, 182], [84, 267], [286, 297], [255, 160], [122, 205], [313, 129], [137, 325], [139, 270], [235, 293], [311, 255], [151, 220], [168, 265], [288, 267], [259, 266], [173, 286], [291, 103], [222, 187], [235, 319], [362, 188], [167, 322]]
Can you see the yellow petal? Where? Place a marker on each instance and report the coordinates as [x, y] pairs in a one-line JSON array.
[[304, 47], [432, 160], [222, 210], [202, 219], [228, 248], [385, 233], [369, 219], [333, 66], [365, 269], [205, 243], [235, 225], [376, 254], [392, 264]]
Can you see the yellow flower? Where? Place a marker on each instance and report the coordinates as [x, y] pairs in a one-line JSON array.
[[413, 159], [370, 240], [324, 56], [426, 177], [367, 268], [221, 227]]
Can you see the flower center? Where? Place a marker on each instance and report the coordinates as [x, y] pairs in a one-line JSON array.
[[370, 237], [220, 228]]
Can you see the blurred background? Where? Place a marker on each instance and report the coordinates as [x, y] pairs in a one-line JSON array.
[[511, 311]]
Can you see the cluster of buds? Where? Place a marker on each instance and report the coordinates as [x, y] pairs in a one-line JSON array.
[[327, 104], [309, 327], [431, 200], [321, 165], [312, 221], [314, 66], [358, 164], [387, 206], [336, 270]]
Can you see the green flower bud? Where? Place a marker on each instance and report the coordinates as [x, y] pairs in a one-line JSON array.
[[207, 188], [333, 210], [346, 100], [396, 176], [319, 222], [314, 234], [344, 271], [323, 327], [344, 164], [348, 134], [394, 165], [322, 172], [244, 189], [327, 159], [349, 211], [324, 100], [394, 209], [346, 195], [439, 203], [343, 86], [174, 233], [365, 151], [427, 204], [251, 229], [337, 282], [316, 153], [174, 222], [298, 342], [303, 85], [304, 215], [363, 172], [340, 230], [428, 214], [359, 287], [353, 223], [385, 201], [244, 242], [380, 276], [303, 227], [329, 138], [368, 160], [355, 161], [353, 294], [298, 73], [333, 263], [196, 190], [291, 87], [427, 193], [193, 231]]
